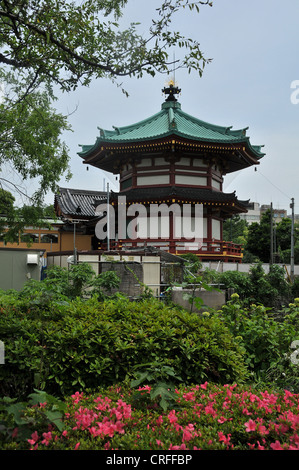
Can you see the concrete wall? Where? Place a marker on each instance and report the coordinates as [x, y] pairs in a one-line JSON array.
[[146, 269], [242, 267], [213, 299], [16, 268]]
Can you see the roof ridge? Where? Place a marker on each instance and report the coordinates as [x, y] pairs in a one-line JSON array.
[[120, 130], [208, 125]]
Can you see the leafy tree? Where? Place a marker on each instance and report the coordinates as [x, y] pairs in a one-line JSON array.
[[283, 233], [259, 238], [6, 201], [235, 229], [70, 43], [283, 241], [30, 141], [14, 220], [50, 44]]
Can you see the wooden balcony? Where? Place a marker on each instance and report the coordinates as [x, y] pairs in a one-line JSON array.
[[209, 250]]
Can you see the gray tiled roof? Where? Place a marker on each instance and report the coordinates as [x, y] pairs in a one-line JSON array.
[[78, 203], [197, 194]]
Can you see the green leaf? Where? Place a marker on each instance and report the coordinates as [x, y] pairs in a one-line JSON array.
[[55, 417], [164, 391], [17, 410], [142, 376]]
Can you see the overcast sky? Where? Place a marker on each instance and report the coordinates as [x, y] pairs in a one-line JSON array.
[[254, 45]]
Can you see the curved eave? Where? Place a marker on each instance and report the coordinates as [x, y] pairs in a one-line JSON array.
[[103, 144], [227, 202], [174, 123], [104, 153]]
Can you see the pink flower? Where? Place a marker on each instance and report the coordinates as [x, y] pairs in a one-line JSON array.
[[147, 388], [77, 397], [262, 430], [276, 446], [252, 397], [119, 427], [210, 410], [250, 426], [47, 438], [222, 420], [187, 435], [204, 386], [77, 446], [189, 396], [171, 447], [33, 440], [172, 417], [159, 421], [181, 447], [223, 438]]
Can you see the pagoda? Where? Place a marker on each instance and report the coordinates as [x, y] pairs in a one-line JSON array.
[[173, 157]]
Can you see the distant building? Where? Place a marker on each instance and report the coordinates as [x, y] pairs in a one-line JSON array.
[[74, 225], [253, 213], [278, 214], [45, 238]]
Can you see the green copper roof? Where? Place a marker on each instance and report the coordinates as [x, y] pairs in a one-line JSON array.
[[171, 120]]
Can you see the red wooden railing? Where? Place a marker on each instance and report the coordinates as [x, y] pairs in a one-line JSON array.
[[207, 249]]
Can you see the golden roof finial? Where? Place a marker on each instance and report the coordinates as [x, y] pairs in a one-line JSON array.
[[171, 89]]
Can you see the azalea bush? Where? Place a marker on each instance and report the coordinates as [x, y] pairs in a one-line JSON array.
[[204, 417]]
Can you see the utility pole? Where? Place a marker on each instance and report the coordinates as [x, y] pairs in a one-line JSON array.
[[271, 236], [108, 220], [292, 206], [75, 249]]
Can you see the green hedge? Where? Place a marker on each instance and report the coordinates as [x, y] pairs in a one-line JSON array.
[[77, 345]]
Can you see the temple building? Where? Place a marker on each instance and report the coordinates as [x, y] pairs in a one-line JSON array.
[[175, 158]]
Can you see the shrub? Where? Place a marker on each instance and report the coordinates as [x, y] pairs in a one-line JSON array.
[[266, 336], [84, 344], [206, 416], [63, 284], [269, 289], [240, 282]]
